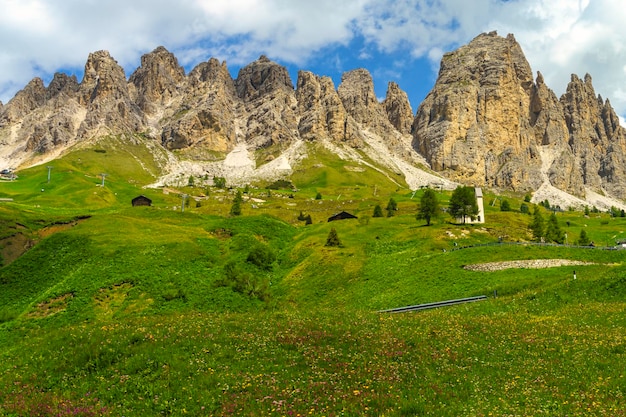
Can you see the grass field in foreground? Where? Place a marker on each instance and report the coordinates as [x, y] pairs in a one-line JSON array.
[[150, 311]]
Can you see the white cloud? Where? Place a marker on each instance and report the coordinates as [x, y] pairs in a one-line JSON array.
[[559, 37]]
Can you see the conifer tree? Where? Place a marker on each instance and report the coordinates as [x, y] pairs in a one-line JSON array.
[[429, 206], [235, 209], [553, 230], [333, 239], [392, 206], [378, 211], [537, 224], [583, 239]]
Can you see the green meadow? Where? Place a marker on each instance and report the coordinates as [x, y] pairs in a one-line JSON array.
[[108, 309]]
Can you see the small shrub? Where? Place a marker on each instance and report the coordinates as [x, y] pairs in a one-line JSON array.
[[318, 196], [173, 294], [7, 315], [244, 282], [280, 185], [524, 208], [505, 205], [262, 256], [219, 182]]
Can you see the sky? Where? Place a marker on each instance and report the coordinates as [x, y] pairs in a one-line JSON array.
[[396, 40]]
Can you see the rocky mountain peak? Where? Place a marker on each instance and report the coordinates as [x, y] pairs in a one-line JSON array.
[[474, 124], [321, 111], [595, 137], [207, 109], [62, 84], [359, 99], [25, 101], [398, 108], [260, 78], [157, 80], [103, 77], [212, 73]]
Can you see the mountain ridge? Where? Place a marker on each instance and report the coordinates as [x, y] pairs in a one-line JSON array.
[[486, 122]]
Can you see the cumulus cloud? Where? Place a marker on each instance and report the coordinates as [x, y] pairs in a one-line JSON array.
[[559, 37]]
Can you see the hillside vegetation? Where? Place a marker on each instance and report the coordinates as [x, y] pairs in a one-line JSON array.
[[120, 310]]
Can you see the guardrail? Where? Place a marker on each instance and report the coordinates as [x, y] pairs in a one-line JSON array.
[[427, 306]]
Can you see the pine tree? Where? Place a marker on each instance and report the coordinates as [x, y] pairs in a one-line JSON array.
[[333, 239], [553, 230], [583, 240], [429, 206], [392, 206], [537, 224], [235, 209], [378, 211]]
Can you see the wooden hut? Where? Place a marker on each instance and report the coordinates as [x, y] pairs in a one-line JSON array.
[[343, 215], [141, 200]]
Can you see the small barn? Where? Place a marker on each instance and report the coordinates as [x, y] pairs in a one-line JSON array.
[[141, 200], [342, 216]]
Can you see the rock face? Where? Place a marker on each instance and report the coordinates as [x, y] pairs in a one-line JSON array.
[[596, 139], [270, 102], [157, 81], [486, 121], [398, 109], [205, 114], [473, 126], [321, 111], [105, 94]]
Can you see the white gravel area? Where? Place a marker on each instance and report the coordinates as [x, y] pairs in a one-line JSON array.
[[526, 263]]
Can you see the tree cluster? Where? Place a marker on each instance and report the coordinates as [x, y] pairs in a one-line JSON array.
[[463, 203]]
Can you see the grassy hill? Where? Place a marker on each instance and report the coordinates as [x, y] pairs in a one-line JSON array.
[[120, 310]]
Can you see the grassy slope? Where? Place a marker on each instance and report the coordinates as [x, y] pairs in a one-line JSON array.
[[122, 313]]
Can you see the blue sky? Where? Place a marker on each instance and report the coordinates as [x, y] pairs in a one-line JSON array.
[[396, 40]]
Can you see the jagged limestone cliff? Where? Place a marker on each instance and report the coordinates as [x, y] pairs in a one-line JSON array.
[[485, 122], [473, 126]]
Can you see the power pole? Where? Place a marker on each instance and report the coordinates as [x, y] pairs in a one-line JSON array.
[[49, 169], [103, 175]]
